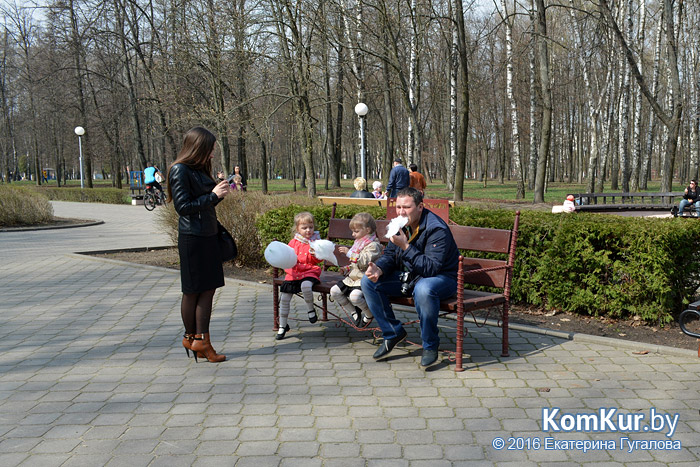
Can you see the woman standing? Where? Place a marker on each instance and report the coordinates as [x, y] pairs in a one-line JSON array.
[[194, 193]]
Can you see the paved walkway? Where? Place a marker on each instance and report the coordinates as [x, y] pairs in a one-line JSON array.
[[92, 373]]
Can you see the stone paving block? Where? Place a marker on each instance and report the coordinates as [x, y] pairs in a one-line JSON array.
[[387, 463], [136, 446], [301, 462], [45, 460], [220, 433], [86, 460], [58, 446], [134, 460], [299, 449], [257, 448], [66, 431], [333, 450]]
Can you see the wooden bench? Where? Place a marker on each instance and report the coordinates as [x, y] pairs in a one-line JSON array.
[[329, 200], [494, 273], [655, 201], [441, 207]]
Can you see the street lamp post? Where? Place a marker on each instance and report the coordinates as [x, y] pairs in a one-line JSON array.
[[361, 110], [80, 131]]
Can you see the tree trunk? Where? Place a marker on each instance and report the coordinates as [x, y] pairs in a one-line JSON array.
[[520, 190], [546, 126]]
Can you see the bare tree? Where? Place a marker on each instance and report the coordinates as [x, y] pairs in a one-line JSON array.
[[546, 124], [671, 121]]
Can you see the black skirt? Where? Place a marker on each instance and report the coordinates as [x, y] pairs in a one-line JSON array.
[[345, 289], [294, 287], [200, 263]]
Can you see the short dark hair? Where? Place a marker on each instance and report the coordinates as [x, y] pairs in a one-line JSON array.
[[413, 167], [399, 160], [413, 193], [693, 181]]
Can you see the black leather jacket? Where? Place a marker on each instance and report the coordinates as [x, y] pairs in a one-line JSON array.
[[194, 200]]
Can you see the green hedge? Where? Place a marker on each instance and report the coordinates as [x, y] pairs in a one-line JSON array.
[[21, 206], [589, 264], [277, 224], [602, 265]]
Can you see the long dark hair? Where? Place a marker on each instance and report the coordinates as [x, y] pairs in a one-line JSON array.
[[196, 149]]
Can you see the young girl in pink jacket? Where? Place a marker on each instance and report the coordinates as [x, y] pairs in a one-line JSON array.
[[304, 275]]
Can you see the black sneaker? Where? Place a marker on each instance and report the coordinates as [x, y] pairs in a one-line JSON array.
[[388, 345]]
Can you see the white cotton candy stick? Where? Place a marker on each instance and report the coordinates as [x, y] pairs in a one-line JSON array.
[[396, 224], [325, 250]]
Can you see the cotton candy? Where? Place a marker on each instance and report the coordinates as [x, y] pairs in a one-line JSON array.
[[280, 255], [325, 250], [396, 224]]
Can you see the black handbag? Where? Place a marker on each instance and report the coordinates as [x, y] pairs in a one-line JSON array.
[[227, 244]]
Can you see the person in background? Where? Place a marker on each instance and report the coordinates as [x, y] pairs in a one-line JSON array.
[[244, 180], [236, 183], [377, 187], [149, 176], [399, 178], [691, 195], [569, 205], [360, 189], [195, 194], [417, 179]]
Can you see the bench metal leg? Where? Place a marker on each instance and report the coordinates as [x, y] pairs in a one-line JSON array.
[[324, 301], [460, 339], [504, 325], [276, 303]]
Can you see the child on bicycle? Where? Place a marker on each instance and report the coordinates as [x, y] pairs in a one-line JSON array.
[[364, 250], [304, 275]]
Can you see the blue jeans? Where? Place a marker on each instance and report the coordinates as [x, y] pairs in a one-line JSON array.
[[684, 203], [427, 295]]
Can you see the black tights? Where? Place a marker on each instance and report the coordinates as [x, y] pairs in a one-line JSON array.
[[196, 311]]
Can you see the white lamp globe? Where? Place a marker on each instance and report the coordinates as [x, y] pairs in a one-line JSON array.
[[80, 131], [361, 109]]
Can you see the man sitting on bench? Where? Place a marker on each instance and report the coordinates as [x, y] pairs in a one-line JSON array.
[[691, 196], [421, 260]]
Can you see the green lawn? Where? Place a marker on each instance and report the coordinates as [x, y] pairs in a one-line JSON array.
[[556, 192]]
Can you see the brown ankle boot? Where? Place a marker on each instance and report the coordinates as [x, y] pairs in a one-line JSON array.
[[187, 344], [202, 345]]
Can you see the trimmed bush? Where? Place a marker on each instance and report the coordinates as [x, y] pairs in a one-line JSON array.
[[601, 265], [21, 206]]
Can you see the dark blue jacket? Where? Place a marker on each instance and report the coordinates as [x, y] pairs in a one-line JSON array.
[[433, 251], [194, 200], [399, 178]]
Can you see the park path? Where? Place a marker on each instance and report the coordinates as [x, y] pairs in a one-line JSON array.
[[92, 373]]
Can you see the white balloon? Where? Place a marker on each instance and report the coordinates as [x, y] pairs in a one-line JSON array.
[[325, 250], [280, 255]]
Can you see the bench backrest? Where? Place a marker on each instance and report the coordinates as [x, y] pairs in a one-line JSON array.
[[441, 207], [489, 241]]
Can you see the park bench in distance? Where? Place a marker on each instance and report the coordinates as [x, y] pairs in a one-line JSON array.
[[654, 201], [497, 274]]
